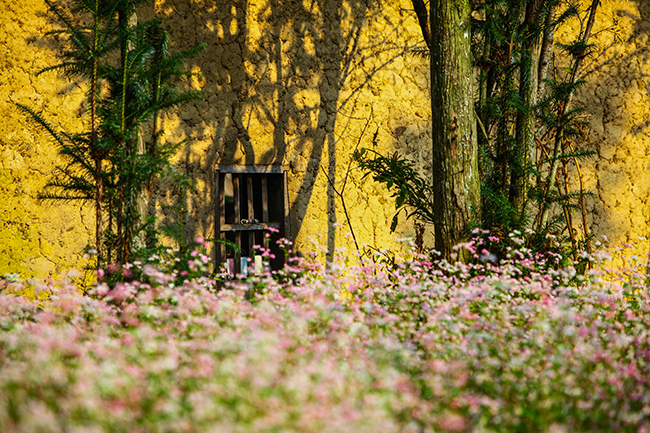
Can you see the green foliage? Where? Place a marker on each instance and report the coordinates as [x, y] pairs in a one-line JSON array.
[[531, 136], [131, 78], [412, 193]]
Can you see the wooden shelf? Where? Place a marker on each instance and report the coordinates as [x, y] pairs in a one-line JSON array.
[[245, 192]]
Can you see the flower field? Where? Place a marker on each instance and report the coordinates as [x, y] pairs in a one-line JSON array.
[[411, 347]]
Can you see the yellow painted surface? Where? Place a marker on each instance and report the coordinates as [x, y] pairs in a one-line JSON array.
[[37, 239], [616, 97], [293, 83]]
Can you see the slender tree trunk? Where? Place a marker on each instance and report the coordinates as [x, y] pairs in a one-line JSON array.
[[160, 43], [455, 162], [131, 200], [99, 181], [545, 50], [147, 205], [423, 19], [121, 252], [559, 136], [525, 122]]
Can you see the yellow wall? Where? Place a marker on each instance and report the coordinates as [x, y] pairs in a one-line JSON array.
[[289, 83], [36, 239], [616, 97], [293, 83]]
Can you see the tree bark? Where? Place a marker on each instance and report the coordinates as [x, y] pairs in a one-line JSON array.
[[455, 151], [96, 154], [546, 49], [525, 122], [132, 203], [423, 19]]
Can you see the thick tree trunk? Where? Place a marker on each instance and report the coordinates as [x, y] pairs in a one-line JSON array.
[[455, 162]]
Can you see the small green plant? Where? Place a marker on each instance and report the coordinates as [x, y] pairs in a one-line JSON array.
[[413, 194]]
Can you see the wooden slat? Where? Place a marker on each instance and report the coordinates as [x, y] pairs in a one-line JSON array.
[[253, 169], [219, 214], [249, 227], [286, 230], [265, 199], [236, 198], [251, 212]]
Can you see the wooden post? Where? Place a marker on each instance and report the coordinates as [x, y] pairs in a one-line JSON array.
[[219, 220], [237, 202], [251, 212]]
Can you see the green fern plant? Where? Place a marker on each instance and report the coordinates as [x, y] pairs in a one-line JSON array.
[[413, 195]]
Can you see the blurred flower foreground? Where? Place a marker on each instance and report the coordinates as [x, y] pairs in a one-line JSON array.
[[400, 345]]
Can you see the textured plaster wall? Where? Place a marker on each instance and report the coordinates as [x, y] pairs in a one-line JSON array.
[[294, 83], [617, 99], [36, 239], [287, 83]]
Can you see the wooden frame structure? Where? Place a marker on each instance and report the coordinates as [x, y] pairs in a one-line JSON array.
[[250, 200]]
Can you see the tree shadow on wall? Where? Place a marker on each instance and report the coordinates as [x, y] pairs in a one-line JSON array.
[[614, 77], [642, 34], [637, 65], [277, 82]]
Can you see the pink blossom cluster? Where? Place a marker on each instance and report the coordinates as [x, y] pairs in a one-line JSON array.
[[349, 345]]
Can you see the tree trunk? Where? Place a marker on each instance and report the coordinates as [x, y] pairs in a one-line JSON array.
[[423, 19], [455, 151], [559, 135], [525, 122], [546, 49], [132, 204], [96, 154]]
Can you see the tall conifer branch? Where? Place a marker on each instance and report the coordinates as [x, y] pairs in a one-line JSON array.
[[559, 135]]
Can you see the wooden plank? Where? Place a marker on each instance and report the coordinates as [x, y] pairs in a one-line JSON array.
[[219, 213], [286, 230], [251, 212], [265, 199], [236, 196], [249, 227], [251, 169]]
